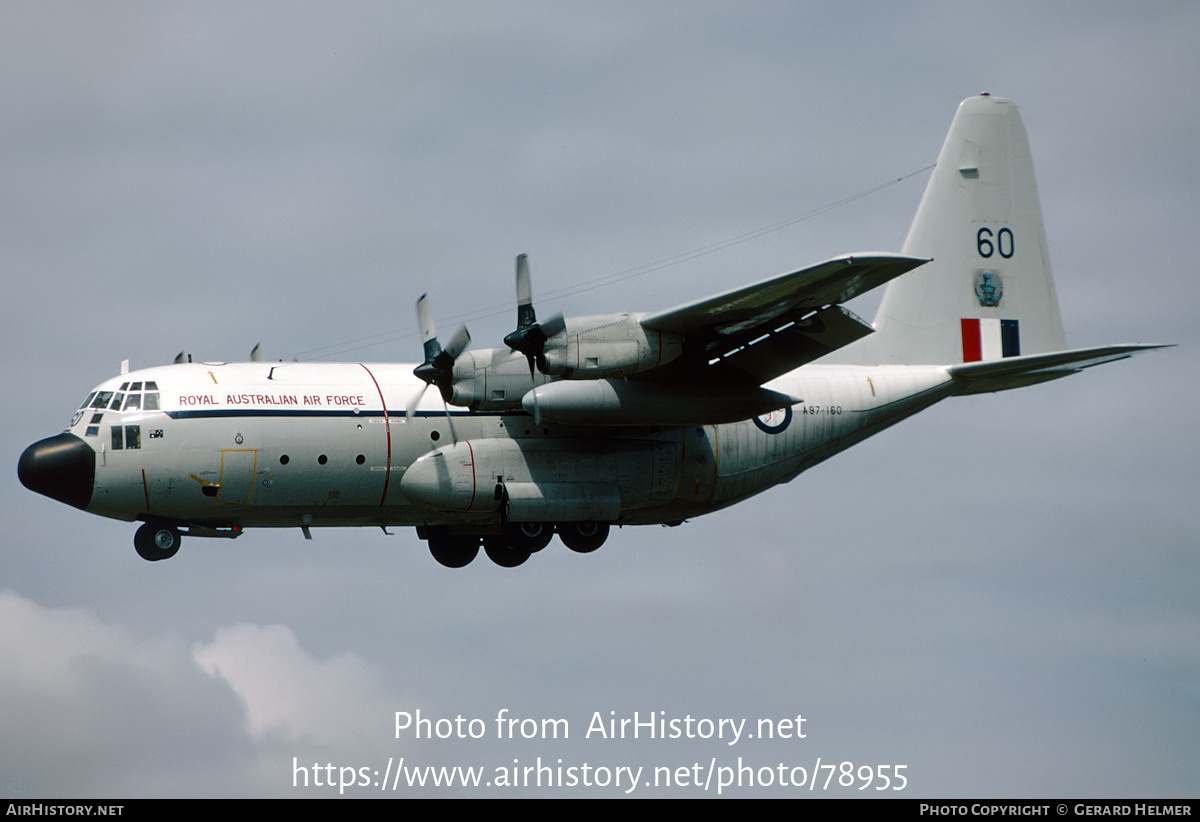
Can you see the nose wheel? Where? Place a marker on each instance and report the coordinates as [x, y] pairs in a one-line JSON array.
[[156, 540]]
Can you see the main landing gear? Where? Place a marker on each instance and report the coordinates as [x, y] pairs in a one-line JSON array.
[[516, 542]]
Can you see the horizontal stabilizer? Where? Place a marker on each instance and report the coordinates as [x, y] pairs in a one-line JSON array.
[[1015, 372]]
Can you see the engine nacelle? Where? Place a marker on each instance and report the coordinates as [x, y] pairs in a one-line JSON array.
[[611, 345], [492, 379]]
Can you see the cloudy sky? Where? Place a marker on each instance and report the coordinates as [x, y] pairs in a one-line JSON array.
[[999, 594]]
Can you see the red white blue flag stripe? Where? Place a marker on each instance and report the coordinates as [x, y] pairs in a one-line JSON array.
[[988, 339]]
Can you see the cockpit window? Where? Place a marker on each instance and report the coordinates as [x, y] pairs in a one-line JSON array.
[[128, 397]]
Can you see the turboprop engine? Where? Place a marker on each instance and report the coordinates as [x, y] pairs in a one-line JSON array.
[[582, 348], [587, 348], [611, 345]]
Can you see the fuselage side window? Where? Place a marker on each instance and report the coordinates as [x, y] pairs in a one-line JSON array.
[[133, 436], [118, 440]]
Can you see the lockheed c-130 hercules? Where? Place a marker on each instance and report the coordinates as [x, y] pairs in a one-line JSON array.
[[579, 424]]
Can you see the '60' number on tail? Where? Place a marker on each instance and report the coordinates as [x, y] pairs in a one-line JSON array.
[[1003, 244]]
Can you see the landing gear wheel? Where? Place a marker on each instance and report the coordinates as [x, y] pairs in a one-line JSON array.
[[454, 552], [155, 541], [503, 554], [583, 537], [528, 536]]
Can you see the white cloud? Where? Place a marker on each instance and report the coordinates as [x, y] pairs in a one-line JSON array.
[[288, 692]]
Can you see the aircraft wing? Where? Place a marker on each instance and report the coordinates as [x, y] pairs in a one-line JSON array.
[[758, 332], [755, 307], [1015, 372]]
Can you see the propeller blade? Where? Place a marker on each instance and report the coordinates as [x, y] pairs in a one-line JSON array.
[[524, 286], [427, 329], [555, 325], [411, 408], [537, 409], [459, 342], [450, 422]]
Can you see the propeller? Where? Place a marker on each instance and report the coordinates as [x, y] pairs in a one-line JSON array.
[[530, 336], [438, 367]]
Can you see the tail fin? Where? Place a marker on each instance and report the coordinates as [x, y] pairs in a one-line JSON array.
[[988, 292]]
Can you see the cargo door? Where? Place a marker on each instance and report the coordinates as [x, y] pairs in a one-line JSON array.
[[237, 476]]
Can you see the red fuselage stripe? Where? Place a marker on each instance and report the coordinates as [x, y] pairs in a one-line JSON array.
[[471, 451], [387, 427]]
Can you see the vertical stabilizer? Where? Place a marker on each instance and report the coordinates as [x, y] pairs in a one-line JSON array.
[[988, 292]]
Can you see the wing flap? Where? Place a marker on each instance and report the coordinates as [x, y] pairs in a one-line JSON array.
[[756, 306], [1015, 372], [794, 345]]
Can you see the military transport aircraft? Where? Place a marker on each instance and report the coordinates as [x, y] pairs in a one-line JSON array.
[[582, 423]]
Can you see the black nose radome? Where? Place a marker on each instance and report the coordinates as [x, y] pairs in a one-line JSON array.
[[61, 467]]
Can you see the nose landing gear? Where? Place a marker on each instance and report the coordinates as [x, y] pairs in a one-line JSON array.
[[156, 540]]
